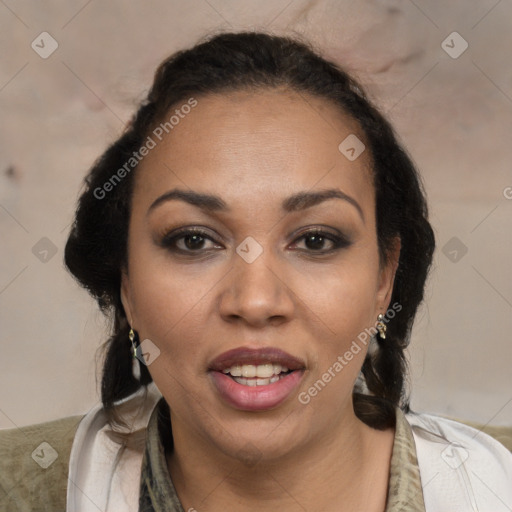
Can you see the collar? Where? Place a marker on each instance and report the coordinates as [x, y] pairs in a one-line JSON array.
[[158, 494], [105, 460]]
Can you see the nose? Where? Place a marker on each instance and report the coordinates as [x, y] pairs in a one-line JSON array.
[[256, 292]]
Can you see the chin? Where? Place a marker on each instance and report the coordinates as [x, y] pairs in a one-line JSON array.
[[255, 438]]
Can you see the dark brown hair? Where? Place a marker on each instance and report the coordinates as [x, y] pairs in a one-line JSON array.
[[96, 249]]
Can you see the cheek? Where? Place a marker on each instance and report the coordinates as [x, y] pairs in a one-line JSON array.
[[343, 294], [170, 303], [171, 313], [345, 303], [344, 298]]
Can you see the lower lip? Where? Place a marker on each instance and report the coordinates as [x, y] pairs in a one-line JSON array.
[[256, 398]]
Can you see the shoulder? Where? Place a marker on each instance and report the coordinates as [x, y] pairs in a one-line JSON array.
[[502, 434], [461, 463], [472, 435], [34, 462]]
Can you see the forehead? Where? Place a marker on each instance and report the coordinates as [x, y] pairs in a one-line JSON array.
[[249, 145]]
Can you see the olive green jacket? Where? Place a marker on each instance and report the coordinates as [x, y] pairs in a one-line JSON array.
[[34, 463]]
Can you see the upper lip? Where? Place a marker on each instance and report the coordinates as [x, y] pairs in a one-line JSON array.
[[245, 355]]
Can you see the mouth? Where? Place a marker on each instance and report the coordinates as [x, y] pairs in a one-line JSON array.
[[261, 375], [255, 380]]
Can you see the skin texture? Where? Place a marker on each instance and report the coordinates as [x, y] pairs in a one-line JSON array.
[[254, 149]]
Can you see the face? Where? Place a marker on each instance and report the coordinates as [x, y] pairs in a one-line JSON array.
[[234, 290]]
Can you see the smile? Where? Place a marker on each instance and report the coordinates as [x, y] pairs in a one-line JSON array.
[[252, 375], [256, 380]]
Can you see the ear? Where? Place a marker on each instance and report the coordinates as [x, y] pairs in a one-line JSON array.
[[387, 276], [126, 298]]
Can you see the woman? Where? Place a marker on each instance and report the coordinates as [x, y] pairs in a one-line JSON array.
[[262, 243]]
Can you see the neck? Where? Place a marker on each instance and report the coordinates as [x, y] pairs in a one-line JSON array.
[[347, 465]]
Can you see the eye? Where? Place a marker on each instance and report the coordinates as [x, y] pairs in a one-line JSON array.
[[316, 239], [187, 240], [193, 240]]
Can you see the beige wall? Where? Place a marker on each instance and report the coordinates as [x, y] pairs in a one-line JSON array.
[[453, 114]]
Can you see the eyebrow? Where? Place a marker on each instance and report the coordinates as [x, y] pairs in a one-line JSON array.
[[296, 202]]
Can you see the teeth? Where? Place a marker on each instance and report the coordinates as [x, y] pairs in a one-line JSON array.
[[236, 371], [262, 371], [248, 371], [256, 382]]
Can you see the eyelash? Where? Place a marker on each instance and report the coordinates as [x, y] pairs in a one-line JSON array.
[[169, 240]]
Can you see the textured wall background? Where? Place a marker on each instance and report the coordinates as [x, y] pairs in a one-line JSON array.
[[451, 107]]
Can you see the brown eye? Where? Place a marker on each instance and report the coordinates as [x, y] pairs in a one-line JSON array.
[[186, 240], [193, 241], [315, 241]]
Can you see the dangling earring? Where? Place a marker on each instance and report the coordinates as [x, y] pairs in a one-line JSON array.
[[134, 338], [381, 327]]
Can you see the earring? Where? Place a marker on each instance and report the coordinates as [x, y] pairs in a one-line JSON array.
[[381, 327], [132, 335], [134, 338]]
